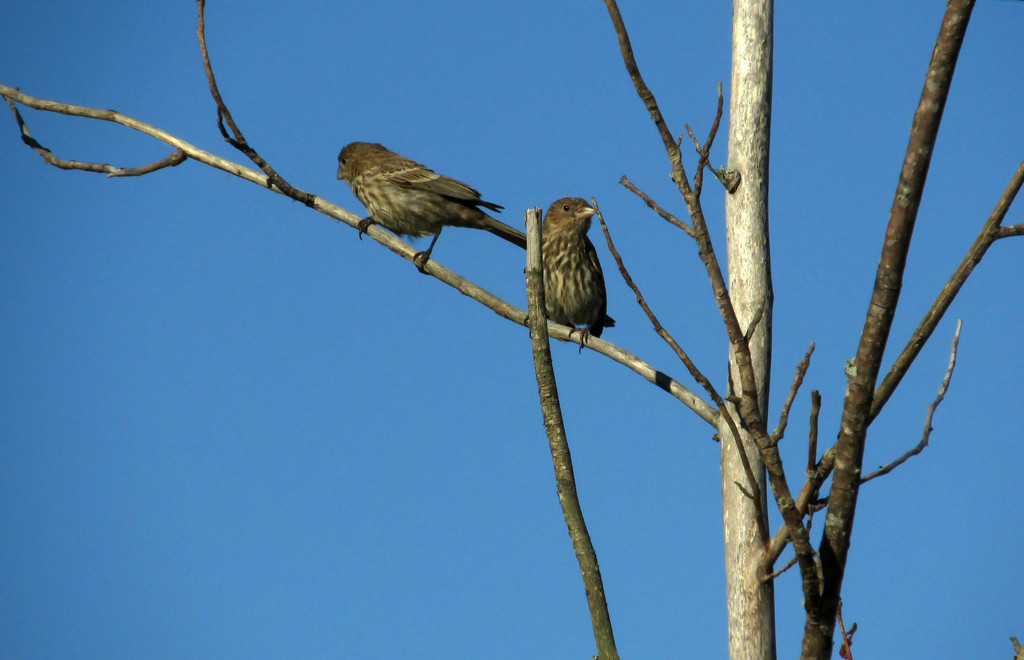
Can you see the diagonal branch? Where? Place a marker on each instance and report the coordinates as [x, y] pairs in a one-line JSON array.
[[835, 544], [928, 417], [697, 374], [704, 151], [654, 206], [804, 500], [691, 367], [388, 240], [559, 444], [990, 233]]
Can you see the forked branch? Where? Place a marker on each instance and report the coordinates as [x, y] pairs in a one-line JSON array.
[[990, 233], [857, 405]]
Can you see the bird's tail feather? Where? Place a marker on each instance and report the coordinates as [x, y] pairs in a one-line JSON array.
[[510, 234]]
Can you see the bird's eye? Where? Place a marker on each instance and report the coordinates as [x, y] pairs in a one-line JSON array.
[[565, 208], [342, 161]]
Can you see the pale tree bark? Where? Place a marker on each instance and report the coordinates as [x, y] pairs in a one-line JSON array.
[[750, 600]]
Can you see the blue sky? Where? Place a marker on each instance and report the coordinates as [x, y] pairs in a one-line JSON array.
[[232, 430]]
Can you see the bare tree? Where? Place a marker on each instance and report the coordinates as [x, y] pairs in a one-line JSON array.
[[752, 465]]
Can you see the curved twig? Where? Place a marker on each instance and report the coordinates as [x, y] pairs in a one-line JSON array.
[[237, 140]]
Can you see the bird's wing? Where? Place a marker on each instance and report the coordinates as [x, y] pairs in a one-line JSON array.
[[422, 178], [608, 321]]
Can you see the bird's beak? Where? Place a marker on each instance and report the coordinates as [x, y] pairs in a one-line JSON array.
[[340, 175], [585, 212]]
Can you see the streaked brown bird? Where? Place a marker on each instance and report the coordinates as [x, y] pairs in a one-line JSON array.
[[573, 281], [411, 199]]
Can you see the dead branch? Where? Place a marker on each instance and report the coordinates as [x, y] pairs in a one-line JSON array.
[[655, 207], [798, 379], [754, 321], [237, 140], [774, 574], [928, 417], [671, 146], [695, 372], [704, 151], [559, 444], [176, 157], [845, 651], [806, 502], [812, 433]]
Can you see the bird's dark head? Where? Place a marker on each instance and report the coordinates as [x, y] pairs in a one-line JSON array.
[[354, 155], [570, 212]]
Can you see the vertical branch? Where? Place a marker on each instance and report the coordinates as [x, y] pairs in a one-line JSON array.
[[750, 600], [842, 503], [553, 425]]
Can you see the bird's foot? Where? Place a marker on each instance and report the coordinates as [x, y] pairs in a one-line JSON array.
[[584, 336], [420, 259], [363, 225]]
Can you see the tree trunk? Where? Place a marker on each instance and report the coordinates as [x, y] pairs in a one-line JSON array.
[[751, 603]]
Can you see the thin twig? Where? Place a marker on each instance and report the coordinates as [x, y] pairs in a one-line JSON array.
[[696, 146], [704, 151], [798, 379], [565, 479], [845, 651], [746, 493], [698, 376], [754, 320], [645, 94], [943, 388], [655, 207], [176, 157], [173, 159], [238, 140], [774, 574], [812, 433]]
